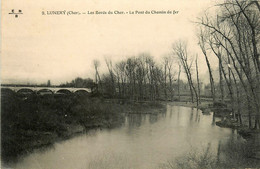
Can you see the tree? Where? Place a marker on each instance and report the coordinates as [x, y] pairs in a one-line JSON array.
[[203, 49], [49, 83], [171, 74], [97, 76], [236, 31], [198, 80], [179, 74], [180, 49], [165, 63], [111, 73]]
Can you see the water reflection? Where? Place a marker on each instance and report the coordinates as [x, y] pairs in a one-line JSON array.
[[213, 119], [191, 115], [144, 142]]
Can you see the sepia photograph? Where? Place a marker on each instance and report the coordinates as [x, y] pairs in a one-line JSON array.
[[127, 84]]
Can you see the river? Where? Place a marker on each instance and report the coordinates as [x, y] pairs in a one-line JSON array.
[[143, 142]]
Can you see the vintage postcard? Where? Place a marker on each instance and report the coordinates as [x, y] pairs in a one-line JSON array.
[[126, 84]]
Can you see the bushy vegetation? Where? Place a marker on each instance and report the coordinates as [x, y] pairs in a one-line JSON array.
[[33, 121]]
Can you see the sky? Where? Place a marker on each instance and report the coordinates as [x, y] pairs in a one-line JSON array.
[[36, 48]]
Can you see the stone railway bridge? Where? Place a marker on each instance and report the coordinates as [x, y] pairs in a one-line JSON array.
[[45, 90]]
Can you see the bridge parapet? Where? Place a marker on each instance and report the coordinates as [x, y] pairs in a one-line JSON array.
[[52, 89]]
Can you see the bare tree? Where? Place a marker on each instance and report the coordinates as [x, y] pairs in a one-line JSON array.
[[236, 31], [97, 77], [179, 74], [221, 85], [165, 64], [171, 74], [180, 49], [198, 80], [111, 73], [203, 49]]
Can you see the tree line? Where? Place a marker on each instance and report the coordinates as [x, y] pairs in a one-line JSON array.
[[230, 34], [80, 83], [138, 78]]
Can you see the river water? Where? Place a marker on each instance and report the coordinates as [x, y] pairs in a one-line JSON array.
[[143, 142]]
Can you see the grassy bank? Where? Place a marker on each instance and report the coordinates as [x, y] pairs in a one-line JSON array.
[[38, 121]]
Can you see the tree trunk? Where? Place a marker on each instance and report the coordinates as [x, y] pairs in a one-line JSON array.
[[221, 87], [179, 82], [198, 81], [165, 82]]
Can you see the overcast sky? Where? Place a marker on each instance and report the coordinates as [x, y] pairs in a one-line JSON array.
[[37, 48]]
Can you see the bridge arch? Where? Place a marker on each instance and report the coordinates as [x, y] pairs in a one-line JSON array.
[[25, 91], [7, 92], [82, 92], [63, 91], [44, 92]]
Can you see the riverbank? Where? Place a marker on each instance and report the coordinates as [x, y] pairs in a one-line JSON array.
[[34, 122], [224, 112], [227, 121], [203, 106]]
